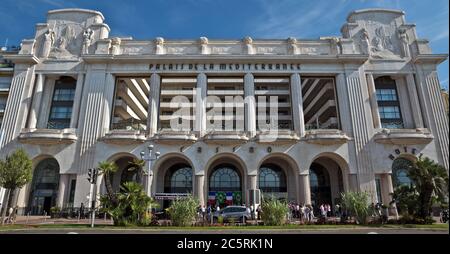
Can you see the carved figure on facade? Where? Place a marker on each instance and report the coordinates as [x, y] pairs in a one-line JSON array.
[[404, 40], [336, 45], [365, 42], [204, 45], [292, 46], [88, 36], [115, 45], [248, 41], [159, 48], [382, 44], [49, 40]]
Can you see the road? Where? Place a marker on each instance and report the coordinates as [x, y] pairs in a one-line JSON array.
[[246, 231]]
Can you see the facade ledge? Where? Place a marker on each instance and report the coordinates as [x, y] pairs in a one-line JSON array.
[[124, 137], [430, 58], [279, 136], [174, 137], [404, 136], [48, 136], [226, 137], [326, 137], [23, 59]]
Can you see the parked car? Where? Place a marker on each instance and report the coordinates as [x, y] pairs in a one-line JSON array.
[[236, 213]]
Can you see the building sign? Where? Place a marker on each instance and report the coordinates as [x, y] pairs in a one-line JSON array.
[[405, 149], [170, 196], [225, 67]]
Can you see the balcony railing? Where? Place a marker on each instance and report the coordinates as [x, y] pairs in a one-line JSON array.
[[130, 124]]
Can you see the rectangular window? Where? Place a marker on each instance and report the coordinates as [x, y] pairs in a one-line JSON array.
[[62, 103], [388, 103]]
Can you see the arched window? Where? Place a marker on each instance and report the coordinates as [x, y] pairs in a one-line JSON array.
[[272, 179], [44, 187], [400, 168], [225, 178], [178, 179]]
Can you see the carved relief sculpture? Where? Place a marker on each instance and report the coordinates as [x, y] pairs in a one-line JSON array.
[[60, 49], [159, 48], [87, 39], [404, 40], [248, 41], [292, 46], [382, 44], [49, 40], [204, 46], [115, 45]]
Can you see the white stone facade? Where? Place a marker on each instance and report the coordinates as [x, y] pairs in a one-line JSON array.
[[356, 152]]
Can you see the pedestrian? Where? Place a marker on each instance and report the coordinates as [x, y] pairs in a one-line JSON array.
[[301, 212], [203, 212], [259, 211], [82, 210], [252, 211], [328, 210], [322, 211], [336, 210]]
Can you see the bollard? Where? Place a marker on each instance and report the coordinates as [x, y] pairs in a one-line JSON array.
[[45, 216], [78, 217], [28, 217]]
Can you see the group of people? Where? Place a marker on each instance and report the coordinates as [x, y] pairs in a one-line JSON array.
[[301, 212]]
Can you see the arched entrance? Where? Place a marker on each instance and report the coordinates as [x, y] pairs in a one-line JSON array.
[[225, 186], [326, 180], [125, 172], [44, 187], [173, 178]]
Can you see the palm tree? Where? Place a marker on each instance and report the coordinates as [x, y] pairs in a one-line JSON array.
[[431, 181], [107, 169], [138, 166]]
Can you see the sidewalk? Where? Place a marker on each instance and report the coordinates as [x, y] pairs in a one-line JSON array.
[[36, 220]]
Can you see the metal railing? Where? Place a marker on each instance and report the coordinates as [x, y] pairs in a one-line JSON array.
[[130, 124]]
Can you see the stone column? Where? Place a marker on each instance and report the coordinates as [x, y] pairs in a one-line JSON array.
[[199, 187], [414, 101], [373, 101], [250, 105], [353, 182], [153, 109], [200, 101], [63, 182], [77, 101], [46, 103], [297, 105], [305, 189], [37, 101], [252, 185]]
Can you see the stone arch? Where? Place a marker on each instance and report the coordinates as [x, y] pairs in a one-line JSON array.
[[43, 189], [161, 166], [290, 169], [122, 160], [227, 160], [336, 170]]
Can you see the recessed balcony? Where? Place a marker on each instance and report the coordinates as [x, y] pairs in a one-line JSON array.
[[404, 136], [169, 136], [326, 137], [124, 137], [48, 136]]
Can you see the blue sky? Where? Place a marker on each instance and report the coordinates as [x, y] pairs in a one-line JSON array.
[[229, 18]]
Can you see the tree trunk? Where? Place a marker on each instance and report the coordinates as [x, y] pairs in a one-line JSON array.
[[425, 202], [109, 189], [6, 205]]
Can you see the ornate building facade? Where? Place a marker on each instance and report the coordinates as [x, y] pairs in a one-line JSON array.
[[300, 119]]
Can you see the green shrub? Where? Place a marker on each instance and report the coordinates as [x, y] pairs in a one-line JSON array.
[[220, 219], [357, 203], [274, 212], [183, 211], [132, 206]]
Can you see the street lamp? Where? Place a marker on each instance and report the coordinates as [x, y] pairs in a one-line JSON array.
[[149, 158]]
